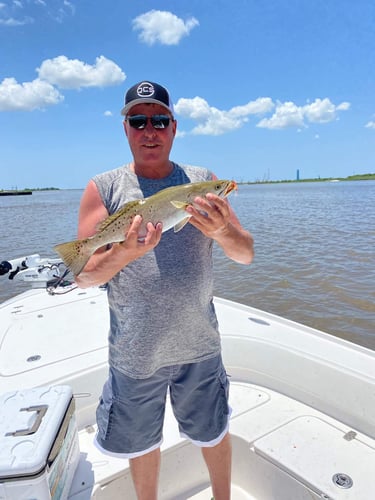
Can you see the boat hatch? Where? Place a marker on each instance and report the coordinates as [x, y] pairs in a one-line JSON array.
[[321, 456], [41, 337]]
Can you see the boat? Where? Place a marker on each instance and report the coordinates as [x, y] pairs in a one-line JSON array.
[[303, 401]]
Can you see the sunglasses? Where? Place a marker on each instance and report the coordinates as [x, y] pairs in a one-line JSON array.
[[140, 121]]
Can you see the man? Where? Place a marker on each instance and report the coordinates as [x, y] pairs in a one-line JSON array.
[[163, 331]]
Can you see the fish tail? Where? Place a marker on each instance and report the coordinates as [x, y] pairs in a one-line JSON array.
[[75, 254]]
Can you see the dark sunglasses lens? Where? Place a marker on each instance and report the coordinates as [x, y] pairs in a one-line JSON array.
[[137, 121], [160, 121]]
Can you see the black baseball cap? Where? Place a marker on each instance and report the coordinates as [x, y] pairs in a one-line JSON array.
[[144, 92]]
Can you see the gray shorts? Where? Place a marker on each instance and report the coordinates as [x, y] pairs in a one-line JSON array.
[[131, 411]]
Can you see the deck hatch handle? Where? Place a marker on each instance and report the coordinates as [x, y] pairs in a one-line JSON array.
[[40, 410]]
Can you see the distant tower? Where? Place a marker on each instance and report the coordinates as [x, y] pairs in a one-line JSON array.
[[297, 178]]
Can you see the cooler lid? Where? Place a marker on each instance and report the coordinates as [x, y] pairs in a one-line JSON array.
[[29, 423]]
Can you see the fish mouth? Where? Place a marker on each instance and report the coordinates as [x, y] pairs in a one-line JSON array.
[[232, 186]]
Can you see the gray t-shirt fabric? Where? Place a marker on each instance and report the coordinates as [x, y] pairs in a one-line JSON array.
[[161, 305]]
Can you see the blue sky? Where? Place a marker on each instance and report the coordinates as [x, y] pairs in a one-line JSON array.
[[261, 88]]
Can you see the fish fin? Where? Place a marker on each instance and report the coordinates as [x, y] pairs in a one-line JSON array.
[[179, 204], [181, 224], [74, 254]]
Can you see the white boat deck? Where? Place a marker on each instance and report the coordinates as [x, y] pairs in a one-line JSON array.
[[303, 401], [273, 436]]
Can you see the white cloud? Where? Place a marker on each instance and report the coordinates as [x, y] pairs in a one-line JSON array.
[[27, 96], [323, 110], [162, 27], [213, 121], [288, 114], [12, 22], [108, 113], [15, 13], [258, 107], [180, 133], [74, 74], [197, 108], [344, 106], [58, 72], [370, 124], [65, 9]]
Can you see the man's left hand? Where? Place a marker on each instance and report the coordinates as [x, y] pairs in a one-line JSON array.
[[215, 219]]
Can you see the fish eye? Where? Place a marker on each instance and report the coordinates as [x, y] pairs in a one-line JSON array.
[[218, 186]]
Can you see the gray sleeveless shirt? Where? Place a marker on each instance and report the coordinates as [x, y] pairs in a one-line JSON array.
[[161, 305]]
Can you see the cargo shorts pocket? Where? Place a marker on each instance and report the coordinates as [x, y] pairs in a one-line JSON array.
[[223, 405], [104, 410]]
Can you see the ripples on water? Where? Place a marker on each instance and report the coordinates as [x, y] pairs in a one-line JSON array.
[[315, 257], [314, 243]]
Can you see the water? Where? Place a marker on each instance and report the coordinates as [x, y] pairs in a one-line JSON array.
[[314, 244]]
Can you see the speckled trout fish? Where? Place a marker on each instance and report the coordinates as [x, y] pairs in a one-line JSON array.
[[167, 206]]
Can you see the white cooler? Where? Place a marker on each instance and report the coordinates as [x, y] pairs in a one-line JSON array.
[[39, 449]]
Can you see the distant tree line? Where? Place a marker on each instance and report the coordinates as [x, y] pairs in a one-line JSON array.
[[357, 177]]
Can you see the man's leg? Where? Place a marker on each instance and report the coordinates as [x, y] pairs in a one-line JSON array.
[[145, 473], [219, 463]]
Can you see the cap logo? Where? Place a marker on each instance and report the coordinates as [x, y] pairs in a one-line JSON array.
[[145, 89]]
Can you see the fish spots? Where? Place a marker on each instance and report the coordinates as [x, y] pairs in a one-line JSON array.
[[161, 207]]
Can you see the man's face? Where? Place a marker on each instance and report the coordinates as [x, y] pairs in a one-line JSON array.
[[150, 146]]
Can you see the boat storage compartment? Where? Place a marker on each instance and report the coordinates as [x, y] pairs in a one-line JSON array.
[[331, 462], [39, 448]]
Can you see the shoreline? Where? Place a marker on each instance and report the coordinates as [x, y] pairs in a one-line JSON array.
[[359, 177], [11, 192]]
